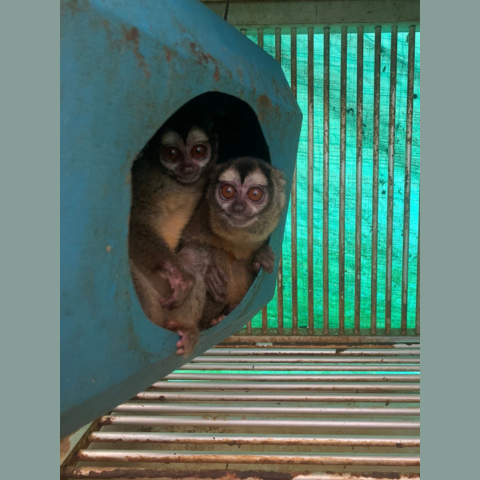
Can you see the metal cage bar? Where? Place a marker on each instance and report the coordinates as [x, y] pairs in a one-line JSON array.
[[264, 309], [278, 57], [253, 458], [341, 223], [293, 201], [206, 439], [326, 150], [391, 162], [408, 166], [417, 306], [310, 183], [376, 141], [358, 193]]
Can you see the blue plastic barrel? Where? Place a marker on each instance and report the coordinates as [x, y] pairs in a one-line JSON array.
[[125, 68]]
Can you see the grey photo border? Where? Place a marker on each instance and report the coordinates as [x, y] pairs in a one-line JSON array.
[[30, 92]]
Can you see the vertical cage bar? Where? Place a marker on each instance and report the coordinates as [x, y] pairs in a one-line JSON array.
[[249, 324], [391, 160], [341, 222], [280, 295], [264, 320], [376, 131], [310, 183], [358, 194], [278, 57], [260, 37], [417, 309], [408, 165], [293, 202], [264, 309], [326, 150]]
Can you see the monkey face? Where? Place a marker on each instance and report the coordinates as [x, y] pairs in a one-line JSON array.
[[242, 193], [184, 158]]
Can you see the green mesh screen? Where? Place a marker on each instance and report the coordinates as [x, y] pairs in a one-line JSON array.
[[399, 177]]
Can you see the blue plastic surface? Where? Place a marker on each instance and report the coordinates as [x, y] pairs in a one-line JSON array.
[[125, 68]]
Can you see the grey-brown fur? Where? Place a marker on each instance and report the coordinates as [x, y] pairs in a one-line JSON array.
[[161, 207], [236, 252]]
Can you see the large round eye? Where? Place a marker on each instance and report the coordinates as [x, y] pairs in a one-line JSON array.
[[172, 154], [198, 151], [255, 194], [227, 191]]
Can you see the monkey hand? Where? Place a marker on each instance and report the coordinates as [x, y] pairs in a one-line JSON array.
[[264, 258], [180, 283], [216, 281]]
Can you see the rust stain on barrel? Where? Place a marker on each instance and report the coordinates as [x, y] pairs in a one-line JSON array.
[[132, 35], [202, 57], [263, 102], [77, 6], [264, 106]]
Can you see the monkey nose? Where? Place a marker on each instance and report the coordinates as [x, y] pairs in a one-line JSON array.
[[187, 169], [238, 208]]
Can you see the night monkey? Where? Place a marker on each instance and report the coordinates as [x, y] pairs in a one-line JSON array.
[[168, 181], [225, 242]]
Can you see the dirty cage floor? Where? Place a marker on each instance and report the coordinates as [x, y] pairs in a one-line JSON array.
[[338, 412]]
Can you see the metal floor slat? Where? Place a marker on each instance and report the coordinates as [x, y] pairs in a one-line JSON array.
[[248, 414]]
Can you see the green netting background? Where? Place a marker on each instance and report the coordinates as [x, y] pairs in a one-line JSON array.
[[399, 176]]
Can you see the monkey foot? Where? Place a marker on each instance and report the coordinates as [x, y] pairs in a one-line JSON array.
[[180, 285], [180, 345], [216, 281], [264, 258], [185, 344]]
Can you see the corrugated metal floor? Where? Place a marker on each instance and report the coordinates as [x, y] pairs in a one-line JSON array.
[[265, 413]]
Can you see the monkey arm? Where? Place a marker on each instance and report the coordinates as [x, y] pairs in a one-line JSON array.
[[263, 257], [146, 248], [216, 274], [159, 265], [216, 281]]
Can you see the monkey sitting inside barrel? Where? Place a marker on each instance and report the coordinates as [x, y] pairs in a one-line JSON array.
[[225, 244], [168, 181], [189, 288]]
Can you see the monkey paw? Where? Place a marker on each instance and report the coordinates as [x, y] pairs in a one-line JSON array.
[[186, 343], [180, 283], [181, 343], [264, 258], [216, 281]]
